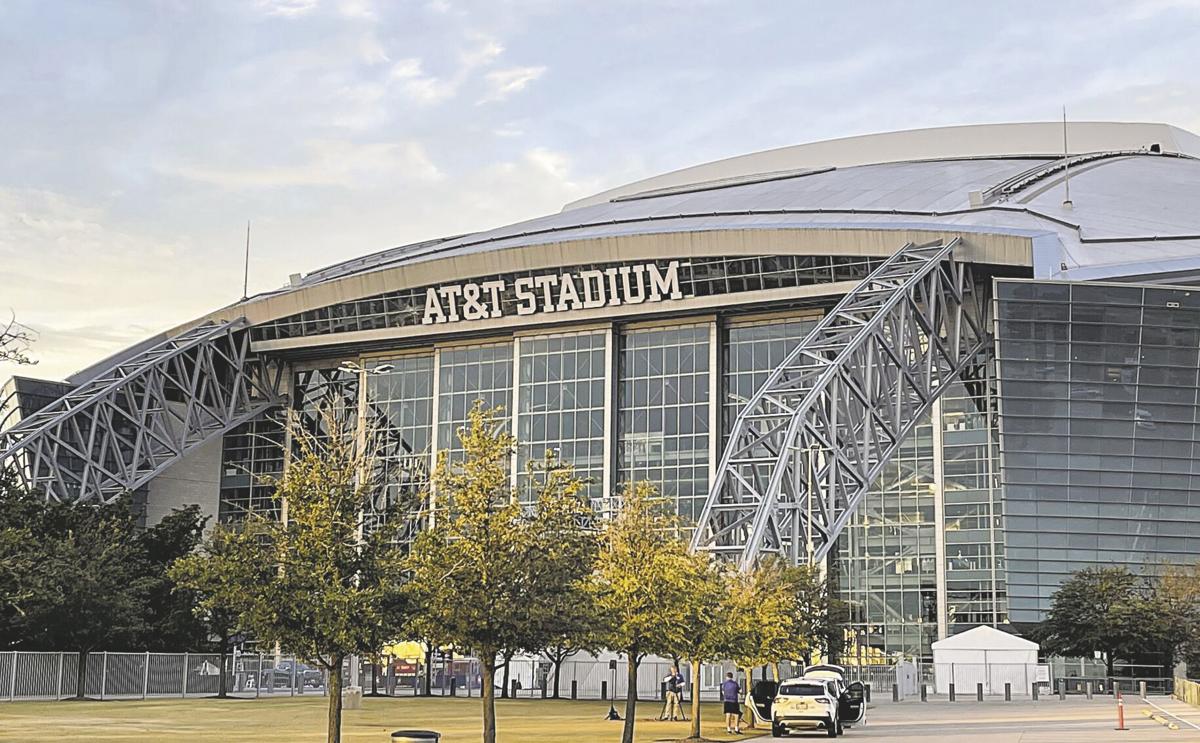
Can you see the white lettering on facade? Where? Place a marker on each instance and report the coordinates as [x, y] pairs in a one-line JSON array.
[[561, 292]]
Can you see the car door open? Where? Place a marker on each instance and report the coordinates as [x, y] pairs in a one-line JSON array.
[[852, 705]]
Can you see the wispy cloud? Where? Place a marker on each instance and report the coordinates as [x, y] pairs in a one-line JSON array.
[[503, 83]]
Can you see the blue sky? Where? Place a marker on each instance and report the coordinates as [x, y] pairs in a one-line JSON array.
[[140, 136]]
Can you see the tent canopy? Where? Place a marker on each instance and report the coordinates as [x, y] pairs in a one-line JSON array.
[[985, 638]]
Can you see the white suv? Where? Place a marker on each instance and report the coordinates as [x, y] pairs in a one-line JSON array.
[[822, 703]]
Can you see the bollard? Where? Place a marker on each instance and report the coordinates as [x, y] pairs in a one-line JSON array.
[[1062, 690], [1034, 691], [544, 688], [867, 693], [1007, 691], [1089, 689], [1120, 712], [951, 692], [978, 692], [924, 693], [895, 693], [574, 689], [453, 686], [604, 690], [1142, 688]]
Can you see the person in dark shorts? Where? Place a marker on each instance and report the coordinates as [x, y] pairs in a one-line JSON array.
[[731, 694]]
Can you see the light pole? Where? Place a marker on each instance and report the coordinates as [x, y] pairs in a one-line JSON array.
[[351, 367]]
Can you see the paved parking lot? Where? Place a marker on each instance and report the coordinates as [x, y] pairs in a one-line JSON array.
[[1074, 720]]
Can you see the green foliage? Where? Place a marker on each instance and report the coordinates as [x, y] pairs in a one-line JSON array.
[[642, 580], [494, 576], [1109, 610], [320, 584]]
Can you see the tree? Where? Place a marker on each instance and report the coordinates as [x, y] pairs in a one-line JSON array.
[[172, 623], [704, 621], [1109, 610], [219, 617], [84, 579], [15, 340], [321, 584], [489, 578], [1177, 611], [641, 579]]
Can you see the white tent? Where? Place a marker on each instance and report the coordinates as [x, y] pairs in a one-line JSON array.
[[988, 656]]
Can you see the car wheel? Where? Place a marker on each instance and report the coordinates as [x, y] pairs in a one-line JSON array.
[[776, 731], [831, 728], [841, 729]]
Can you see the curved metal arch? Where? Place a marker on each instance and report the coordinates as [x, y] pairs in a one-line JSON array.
[[116, 432], [813, 439]]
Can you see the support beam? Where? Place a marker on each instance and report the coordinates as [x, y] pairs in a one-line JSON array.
[[850, 392]]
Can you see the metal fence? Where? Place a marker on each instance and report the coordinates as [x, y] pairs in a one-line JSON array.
[[29, 675], [40, 676]]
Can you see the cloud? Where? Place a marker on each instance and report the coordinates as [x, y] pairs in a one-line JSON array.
[[90, 288], [287, 8], [503, 83], [324, 163], [422, 88]]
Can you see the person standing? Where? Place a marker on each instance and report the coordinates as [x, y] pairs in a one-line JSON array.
[[674, 688], [731, 694]]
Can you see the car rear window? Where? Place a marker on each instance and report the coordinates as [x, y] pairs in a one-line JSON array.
[[801, 690]]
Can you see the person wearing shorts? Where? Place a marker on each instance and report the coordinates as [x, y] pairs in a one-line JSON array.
[[731, 694]]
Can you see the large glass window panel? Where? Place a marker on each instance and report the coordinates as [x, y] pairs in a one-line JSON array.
[[399, 413], [663, 412], [468, 374], [560, 398]]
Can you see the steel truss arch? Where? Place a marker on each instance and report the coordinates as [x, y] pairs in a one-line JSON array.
[[812, 440], [116, 432]]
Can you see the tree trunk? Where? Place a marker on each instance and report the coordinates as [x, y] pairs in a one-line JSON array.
[[695, 699], [775, 671], [222, 687], [557, 670], [630, 697], [487, 664], [81, 676], [334, 733], [504, 685], [1109, 661], [749, 680]]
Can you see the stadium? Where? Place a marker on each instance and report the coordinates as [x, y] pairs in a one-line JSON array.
[[954, 365]]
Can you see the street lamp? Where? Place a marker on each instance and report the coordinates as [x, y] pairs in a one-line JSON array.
[[351, 367]]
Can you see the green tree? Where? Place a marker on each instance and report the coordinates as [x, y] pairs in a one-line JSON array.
[[641, 578], [172, 623], [85, 582], [322, 583], [1177, 612], [564, 619], [704, 620], [1109, 610], [488, 578]]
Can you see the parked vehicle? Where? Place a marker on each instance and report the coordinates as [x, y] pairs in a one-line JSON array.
[[821, 700], [280, 677]]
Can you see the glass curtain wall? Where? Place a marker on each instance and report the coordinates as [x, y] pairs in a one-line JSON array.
[[973, 509], [399, 412], [1101, 430], [886, 563], [251, 453], [664, 412], [560, 400], [467, 374]]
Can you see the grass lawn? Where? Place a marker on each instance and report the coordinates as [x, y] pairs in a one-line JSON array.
[[303, 719]]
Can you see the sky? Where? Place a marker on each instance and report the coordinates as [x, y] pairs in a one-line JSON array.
[[140, 137]]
